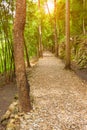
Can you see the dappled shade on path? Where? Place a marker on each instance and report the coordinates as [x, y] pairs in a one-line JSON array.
[[60, 97], [7, 94]]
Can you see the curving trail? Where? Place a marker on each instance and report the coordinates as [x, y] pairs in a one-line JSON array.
[[60, 98]]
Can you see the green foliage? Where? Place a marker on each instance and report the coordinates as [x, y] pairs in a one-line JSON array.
[[31, 29], [78, 41], [47, 33], [79, 51], [34, 18], [6, 42]]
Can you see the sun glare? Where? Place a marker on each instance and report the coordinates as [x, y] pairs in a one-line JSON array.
[[49, 7]]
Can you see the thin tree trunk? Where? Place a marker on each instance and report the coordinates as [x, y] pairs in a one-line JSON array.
[[40, 42], [52, 27], [48, 9], [68, 61], [40, 34], [55, 30], [21, 78], [84, 30]]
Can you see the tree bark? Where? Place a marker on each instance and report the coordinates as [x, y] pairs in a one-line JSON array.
[[84, 30], [18, 35], [40, 34], [68, 61], [27, 56], [55, 31]]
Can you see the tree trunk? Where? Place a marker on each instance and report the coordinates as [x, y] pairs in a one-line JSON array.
[[27, 57], [68, 62], [40, 34], [40, 42], [55, 31], [21, 78], [84, 30]]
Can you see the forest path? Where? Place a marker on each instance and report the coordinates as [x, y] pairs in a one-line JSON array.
[[60, 97]]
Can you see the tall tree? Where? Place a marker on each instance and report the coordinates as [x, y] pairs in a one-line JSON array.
[[21, 78], [84, 29], [67, 65], [55, 28], [40, 32]]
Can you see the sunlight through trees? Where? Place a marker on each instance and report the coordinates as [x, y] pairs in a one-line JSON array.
[[59, 26]]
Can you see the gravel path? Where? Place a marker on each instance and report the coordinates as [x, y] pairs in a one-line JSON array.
[[60, 98]]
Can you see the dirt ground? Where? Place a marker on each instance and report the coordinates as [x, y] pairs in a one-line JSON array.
[[82, 73], [7, 93], [59, 95], [60, 98]]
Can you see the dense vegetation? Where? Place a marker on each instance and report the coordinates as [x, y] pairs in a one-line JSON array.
[[40, 27]]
